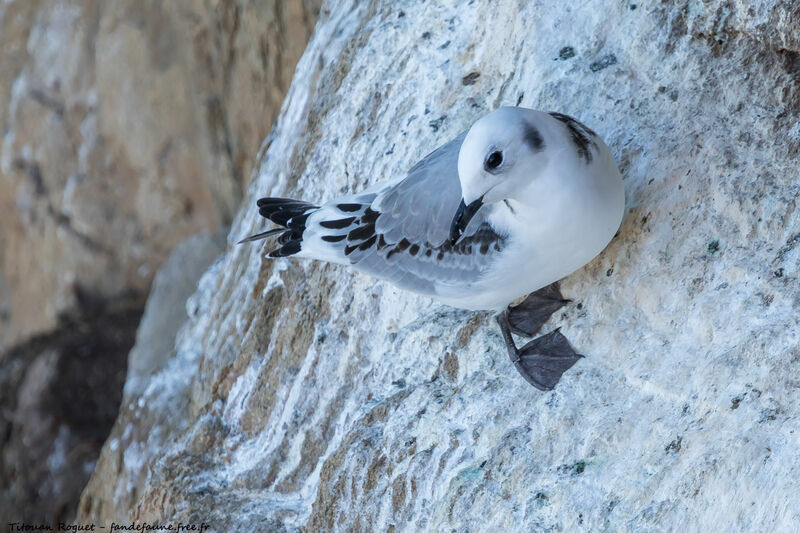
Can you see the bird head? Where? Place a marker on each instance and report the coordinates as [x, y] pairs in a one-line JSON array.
[[501, 154]]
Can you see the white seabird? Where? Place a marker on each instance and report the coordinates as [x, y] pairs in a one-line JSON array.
[[507, 208]]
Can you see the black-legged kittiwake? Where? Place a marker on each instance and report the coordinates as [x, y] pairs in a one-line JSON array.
[[509, 207]]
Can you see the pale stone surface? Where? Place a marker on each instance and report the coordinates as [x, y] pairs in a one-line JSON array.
[[127, 126], [304, 396], [165, 311]]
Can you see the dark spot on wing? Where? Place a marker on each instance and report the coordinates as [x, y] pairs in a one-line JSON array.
[[362, 241], [368, 243], [580, 135], [369, 216], [349, 208], [508, 205], [485, 238], [361, 232], [337, 224], [533, 138]]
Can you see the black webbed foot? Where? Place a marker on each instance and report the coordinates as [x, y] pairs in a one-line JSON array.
[[543, 360], [528, 317]]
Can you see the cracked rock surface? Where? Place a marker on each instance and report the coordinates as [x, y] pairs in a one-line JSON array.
[[127, 127], [302, 396]]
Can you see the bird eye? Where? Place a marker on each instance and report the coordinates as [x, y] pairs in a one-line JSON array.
[[493, 161]]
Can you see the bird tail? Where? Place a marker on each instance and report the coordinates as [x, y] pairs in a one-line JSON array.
[[291, 215]]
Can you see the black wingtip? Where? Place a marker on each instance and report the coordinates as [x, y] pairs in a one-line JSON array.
[[290, 248]]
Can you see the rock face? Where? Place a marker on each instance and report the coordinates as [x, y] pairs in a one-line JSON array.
[[128, 126], [304, 396]]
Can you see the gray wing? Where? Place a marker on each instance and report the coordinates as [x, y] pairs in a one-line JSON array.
[[421, 207], [401, 233]]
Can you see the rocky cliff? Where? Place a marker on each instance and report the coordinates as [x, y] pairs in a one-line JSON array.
[[303, 396], [128, 126]]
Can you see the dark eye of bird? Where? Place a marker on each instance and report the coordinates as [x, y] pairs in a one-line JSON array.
[[494, 160]]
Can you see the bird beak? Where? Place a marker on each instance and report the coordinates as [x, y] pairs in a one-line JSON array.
[[463, 215]]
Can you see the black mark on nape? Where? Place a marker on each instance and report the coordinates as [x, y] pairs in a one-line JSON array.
[[337, 224], [580, 135], [603, 63], [533, 138], [348, 208], [470, 78]]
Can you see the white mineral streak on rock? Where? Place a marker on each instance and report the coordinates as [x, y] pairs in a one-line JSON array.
[[330, 401]]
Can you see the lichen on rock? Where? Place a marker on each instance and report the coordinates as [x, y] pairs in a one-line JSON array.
[[304, 396]]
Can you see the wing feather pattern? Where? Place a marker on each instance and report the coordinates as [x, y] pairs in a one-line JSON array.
[[401, 233]]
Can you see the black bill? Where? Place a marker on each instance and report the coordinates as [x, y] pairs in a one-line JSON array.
[[463, 215]]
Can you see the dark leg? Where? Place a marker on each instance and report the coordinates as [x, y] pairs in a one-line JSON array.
[[543, 360], [528, 317]]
